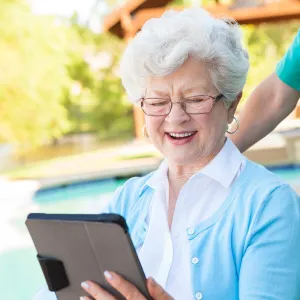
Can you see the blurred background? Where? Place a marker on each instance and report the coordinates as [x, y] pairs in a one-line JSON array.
[[68, 135]]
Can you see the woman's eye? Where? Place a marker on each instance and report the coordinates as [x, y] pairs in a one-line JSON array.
[[196, 101], [159, 103]]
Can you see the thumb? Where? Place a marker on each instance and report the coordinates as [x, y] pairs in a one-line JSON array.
[[156, 291]]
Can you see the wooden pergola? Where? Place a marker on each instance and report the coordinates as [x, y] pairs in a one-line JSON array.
[[127, 20]]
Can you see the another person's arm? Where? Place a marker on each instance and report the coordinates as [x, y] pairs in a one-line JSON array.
[[272, 101]]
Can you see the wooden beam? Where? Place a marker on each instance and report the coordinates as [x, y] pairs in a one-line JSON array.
[[138, 114], [113, 20], [128, 27], [116, 15], [272, 12]]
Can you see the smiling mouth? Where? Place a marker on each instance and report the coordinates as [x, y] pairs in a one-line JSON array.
[[180, 136]]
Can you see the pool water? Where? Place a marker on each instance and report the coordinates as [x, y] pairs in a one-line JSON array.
[[20, 272], [288, 174]]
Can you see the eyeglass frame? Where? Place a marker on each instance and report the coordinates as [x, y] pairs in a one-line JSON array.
[[183, 105]]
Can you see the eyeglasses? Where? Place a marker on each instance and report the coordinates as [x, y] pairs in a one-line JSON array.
[[200, 104]]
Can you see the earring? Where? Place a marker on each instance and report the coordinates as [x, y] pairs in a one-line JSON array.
[[237, 126], [145, 133]]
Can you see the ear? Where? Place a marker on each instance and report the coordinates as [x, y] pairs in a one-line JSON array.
[[233, 107]]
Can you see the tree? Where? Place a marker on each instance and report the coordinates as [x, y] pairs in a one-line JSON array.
[[98, 104], [34, 55], [57, 77]]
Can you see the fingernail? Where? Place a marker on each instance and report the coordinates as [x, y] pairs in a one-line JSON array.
[[108, 275], [85, 286], [82, 298]]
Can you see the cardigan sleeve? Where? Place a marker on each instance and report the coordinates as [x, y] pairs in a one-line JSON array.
[[112, 205], [270, 268], [124, 198]]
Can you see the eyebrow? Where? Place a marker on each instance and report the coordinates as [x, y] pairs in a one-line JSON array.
[[193, 88], [186, 91], [159, 93]]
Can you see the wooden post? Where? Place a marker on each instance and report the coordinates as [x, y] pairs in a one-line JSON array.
[[138, 115], [139, 121], [297, 111]]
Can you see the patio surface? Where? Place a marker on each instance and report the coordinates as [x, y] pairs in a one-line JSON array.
[[140, 157]]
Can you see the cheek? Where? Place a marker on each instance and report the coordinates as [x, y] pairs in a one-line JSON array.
[[204, 123], [153, 125], [209, 124]]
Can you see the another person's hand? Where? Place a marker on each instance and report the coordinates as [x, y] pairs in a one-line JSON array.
[[128, 290]]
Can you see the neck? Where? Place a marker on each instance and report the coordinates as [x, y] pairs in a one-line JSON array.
[[179, 174]]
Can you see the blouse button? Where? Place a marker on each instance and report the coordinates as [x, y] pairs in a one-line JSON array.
[[195, 260], [198, 296], [191, 231]]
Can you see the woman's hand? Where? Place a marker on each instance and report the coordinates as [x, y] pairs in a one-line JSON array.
[[128, 290]]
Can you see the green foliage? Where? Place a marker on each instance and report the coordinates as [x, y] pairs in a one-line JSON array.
[[57, 77], [32, 63], [266, 45], [99, 106]]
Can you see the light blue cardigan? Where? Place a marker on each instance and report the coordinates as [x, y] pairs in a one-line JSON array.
[[248, 249]]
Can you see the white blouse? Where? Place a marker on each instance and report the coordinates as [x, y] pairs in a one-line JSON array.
[[165, 254]]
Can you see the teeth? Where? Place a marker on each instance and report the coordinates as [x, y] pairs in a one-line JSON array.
[[181, 135]]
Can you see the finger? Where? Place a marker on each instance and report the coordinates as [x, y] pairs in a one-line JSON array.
[[156, 291], [128, 290], [96, 291]]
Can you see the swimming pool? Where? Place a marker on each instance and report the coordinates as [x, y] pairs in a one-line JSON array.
[[20, 272], [290, 174]]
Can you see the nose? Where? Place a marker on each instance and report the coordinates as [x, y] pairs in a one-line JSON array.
[[177, 113], [182, 104]]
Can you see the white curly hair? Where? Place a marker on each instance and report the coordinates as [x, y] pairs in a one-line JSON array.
[[165, 43]]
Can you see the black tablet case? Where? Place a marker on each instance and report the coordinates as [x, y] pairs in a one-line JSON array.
[[75, 248]]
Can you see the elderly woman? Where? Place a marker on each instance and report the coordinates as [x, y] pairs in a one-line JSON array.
[[208, 223]]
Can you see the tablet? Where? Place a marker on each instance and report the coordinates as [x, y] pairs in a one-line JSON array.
[[75, 248]]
